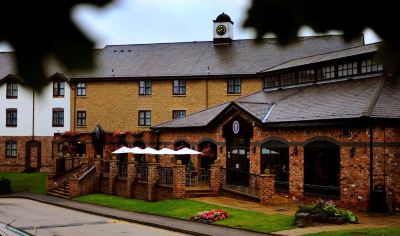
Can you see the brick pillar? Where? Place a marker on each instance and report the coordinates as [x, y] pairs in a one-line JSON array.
[[90, 153], [215, 178], [130, 179], [68, 162], [152, 176], [99, 167], [179, 181], [296, 172], [267, 189], [112, 174], [49, 182], [74, 189]]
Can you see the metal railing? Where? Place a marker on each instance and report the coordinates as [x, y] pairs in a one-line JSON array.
[[165, 175], [122, 169], [142, 172], [320, 190]]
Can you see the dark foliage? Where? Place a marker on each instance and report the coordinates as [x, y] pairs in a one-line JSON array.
[[286, 17], [5, 185], [37, 29]]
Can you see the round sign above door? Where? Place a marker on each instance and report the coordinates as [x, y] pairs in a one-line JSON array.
[[236, 127]]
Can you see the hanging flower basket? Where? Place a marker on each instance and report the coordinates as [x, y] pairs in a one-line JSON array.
[[70, 134]]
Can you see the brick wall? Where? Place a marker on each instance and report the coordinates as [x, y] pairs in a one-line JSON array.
[[124, 113], [18, 163]]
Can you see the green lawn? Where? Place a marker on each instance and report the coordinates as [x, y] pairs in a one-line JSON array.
[[32, 182], [362, 232], [184, 209]]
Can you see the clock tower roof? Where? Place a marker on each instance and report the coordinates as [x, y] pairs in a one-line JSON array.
[[223, 18]]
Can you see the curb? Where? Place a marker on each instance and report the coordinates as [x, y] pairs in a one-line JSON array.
[[171, 228]]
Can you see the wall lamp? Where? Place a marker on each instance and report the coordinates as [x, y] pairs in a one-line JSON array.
[[295, 151], [221, 149], [352, 152]]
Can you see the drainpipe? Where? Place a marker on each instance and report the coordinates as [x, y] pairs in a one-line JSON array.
[[206, 80], [33, 114], [371, 161]]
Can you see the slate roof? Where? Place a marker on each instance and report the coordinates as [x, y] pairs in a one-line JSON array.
[[204, 58], [369, 48], [346, 99]]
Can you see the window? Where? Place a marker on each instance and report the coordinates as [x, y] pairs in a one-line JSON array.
[[58, 88], [81, 118], [288, 78], [145, 87], [145, 118], [275, 158], [81, 89], [11, 117], [306, 76], [179, 87], [370, 65], [347, 69], [234, 86], [11, 149], [271, 81], [327, 72], [58, 117], [178, 114], [12, 90]]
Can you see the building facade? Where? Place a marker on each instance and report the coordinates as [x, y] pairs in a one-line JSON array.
[[29, 120]]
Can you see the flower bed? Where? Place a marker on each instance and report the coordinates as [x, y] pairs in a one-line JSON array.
[[209, 216], [323, 212]]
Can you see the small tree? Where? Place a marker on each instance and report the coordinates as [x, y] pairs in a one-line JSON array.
[[5, 185]]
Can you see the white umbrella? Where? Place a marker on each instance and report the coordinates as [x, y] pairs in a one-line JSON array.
[[150, 150], [136, 150], [121, 150], [167, 151], [187, 151]]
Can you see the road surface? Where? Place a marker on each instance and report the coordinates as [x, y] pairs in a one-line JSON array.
[[45, 220]]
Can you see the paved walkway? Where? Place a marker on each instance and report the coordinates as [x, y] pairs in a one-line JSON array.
[[288, 207], [177, 225]]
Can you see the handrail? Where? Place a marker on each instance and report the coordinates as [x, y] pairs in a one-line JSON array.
[[87, 172]]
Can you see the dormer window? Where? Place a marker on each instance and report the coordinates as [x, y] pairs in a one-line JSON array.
[[12, 90], [288, 78], [58, 88], [271, 81], [327, 72], [347, 69], [370, 65], [306, 76]]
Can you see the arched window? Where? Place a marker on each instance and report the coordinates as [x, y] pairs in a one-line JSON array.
[[275, 158], [322, 169]]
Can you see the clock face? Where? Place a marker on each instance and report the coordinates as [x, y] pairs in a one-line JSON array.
[[221, 30]]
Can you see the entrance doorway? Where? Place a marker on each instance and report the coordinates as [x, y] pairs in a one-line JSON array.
[[33, 159], [237, 133]]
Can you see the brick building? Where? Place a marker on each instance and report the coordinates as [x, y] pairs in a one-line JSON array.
[[321, 125]]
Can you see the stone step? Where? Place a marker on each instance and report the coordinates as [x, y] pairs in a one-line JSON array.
[[63, 195], [60, 191], [194, 194]]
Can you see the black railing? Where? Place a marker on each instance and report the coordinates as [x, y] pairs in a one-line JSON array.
[[122, 170], [281, 186], [106, 167], [237, 177], [165, 175], [142, 172], [60, 165], [323, 191]]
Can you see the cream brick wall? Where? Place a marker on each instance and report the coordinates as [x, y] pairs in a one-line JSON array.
[[116, 105]]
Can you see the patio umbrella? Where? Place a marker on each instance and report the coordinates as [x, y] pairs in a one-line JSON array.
[[166, 151], [150, 150], [136, 150], [121, 150], [187, 151]]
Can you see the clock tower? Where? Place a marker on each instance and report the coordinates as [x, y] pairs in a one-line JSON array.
[[223, 29]]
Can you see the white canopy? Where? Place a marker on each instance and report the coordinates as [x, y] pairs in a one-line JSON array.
[[136, 150], [166, 151], [150, 150], [187, 151], [122, 150]]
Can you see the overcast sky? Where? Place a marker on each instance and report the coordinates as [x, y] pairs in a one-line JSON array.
[[163, 21]]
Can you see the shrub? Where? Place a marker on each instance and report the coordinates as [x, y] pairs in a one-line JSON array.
[[5, 185], [209, 216], [328, 208]]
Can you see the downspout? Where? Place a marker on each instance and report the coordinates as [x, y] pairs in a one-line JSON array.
[[33, 114], [206, 79], [371, 160], [73, 88]]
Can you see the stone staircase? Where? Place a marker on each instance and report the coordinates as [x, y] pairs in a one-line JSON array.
[[61, 191]]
